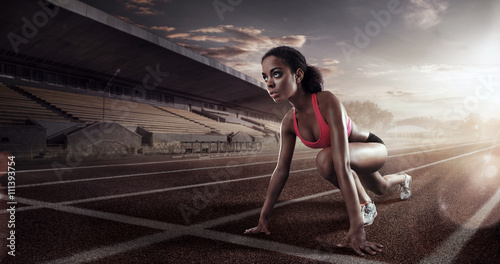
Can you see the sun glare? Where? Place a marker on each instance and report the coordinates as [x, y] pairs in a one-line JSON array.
[[489, 52]]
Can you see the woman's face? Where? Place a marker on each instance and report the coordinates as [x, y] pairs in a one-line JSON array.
[[280, 81]]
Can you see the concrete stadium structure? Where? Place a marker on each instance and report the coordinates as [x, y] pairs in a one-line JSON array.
[[68, 46]]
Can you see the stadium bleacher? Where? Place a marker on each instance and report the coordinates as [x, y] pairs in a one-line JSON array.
[[45, 81], [89, 109], [159, 119], [273, 126], [225, 128], [16, 109]]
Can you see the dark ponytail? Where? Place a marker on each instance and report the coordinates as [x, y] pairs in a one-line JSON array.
[[312, 81]]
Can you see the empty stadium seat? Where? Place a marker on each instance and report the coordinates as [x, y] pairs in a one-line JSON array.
[[89, 109], [16, 109]]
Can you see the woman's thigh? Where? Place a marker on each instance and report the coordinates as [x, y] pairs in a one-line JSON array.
[[365, 158]]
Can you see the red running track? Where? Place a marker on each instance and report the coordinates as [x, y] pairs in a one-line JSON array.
[[195, 209]]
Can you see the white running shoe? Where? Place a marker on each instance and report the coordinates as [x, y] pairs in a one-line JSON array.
[[369, 212], [405, 188]]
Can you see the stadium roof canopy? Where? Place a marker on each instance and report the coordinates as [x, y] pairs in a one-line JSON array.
[[78, 38]]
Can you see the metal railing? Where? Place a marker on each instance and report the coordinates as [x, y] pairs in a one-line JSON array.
[[220, 146]]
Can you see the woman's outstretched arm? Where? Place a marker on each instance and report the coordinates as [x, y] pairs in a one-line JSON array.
[[279, 177], [337, 119]]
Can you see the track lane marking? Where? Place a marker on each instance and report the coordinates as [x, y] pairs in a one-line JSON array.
[[296, 251], [203, 225], [108, 197], [448, 159], [146, 174], [100, 198], [197, 159], [455, 242], [241, 179], [450, 248], [145, 163], [236, 217], [201, 168], [112, 250], [431, 150], [174, 231]]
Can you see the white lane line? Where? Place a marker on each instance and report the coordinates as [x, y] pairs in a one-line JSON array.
[[443, 143], [431, 150], [448, 159], [108, 197], [118, 165], [145, 163], [112, 250], [174, 231], [100, 198], [120, 248], [236, 217], [286, 249], [105, 215], [195, 169], [237, 180], [450, 248], [146, 174], [197, 159]]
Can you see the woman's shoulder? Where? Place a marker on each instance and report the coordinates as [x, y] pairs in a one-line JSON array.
[[288, 116], [328, 98], [287, 121]]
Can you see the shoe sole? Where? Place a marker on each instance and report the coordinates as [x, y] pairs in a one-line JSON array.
[[409, 187], [375, 215]]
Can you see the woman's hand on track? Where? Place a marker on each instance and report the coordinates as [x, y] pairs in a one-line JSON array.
[[263, 227], [356, 240]]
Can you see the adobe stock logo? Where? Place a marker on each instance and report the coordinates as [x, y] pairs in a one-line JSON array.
[[362, 39], [486, 87], [30, 28], [222, 7]]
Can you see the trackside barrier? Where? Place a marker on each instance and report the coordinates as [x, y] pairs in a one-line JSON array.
[[220, 146], [22, 150]]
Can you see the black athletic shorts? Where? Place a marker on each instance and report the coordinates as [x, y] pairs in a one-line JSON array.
[[374, 138]]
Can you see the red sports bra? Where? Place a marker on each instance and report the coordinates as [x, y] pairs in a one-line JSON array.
[[324, 130]]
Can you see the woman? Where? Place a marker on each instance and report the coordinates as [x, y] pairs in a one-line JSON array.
[[350, 157]]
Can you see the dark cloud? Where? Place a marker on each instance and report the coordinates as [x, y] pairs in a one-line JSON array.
[[163, 28], [234, 41], [220, 52], [143, 10], [144, 7]]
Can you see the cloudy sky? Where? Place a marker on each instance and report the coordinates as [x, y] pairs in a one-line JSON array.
[[433, 58]]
